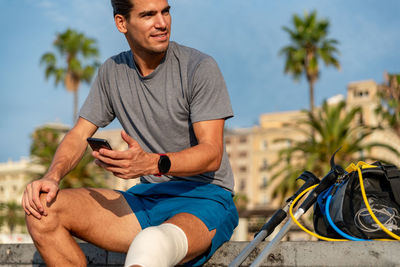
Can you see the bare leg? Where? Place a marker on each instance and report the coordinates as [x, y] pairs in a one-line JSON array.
[[99, 216]]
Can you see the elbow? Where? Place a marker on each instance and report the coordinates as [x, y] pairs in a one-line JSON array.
[[215, 163]]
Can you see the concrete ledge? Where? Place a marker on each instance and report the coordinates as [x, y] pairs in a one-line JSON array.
[[302, 253]]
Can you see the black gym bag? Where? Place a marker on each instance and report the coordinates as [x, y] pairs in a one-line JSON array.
[[347, 208]]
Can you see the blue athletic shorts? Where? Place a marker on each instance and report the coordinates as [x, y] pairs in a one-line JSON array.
[[153, 204]]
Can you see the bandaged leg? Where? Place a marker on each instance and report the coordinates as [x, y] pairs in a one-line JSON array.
[[158, 246]]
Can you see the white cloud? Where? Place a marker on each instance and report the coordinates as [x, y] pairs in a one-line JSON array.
[[45, 3], [51, 10]]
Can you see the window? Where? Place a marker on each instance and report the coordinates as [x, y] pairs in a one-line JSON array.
[[265, 199], [242, 139], [265, 163], [361, 93], [264, 145], [242, 154], [242, 185], [243, 169], [264, 182]]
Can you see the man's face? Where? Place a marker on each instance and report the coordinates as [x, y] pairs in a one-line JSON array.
[[148, 27]]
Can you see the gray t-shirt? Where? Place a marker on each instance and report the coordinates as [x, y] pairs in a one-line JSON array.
[[158, 110]]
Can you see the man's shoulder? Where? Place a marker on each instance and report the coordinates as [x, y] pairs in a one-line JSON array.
[[121, 58], [112, 64], [189, 52], [191, 56]]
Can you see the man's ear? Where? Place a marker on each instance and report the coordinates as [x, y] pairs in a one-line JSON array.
[[120, 22]]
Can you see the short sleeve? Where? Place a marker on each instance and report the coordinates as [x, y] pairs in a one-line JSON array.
[[209, 98], [97, 107]]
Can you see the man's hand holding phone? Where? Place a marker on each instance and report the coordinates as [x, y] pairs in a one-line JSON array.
[[131, 163]]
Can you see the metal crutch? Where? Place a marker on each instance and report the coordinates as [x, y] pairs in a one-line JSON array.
[[278, 216], [325, 183]]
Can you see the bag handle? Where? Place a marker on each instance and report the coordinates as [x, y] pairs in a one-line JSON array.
[[390, 171], [393, 176]]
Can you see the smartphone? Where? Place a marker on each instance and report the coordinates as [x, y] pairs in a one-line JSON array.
[[97, 143]]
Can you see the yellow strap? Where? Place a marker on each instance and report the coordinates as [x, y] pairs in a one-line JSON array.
[[369, 208], [361, 164], [301, 226]]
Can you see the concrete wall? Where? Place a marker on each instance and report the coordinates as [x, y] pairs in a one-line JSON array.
[[375, 253]]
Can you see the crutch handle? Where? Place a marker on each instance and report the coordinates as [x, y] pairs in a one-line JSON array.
[[309, 180]]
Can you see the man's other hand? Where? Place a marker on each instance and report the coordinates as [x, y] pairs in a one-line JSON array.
[[30, 199]]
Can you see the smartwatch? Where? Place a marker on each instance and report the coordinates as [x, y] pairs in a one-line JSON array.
[[164, 164]]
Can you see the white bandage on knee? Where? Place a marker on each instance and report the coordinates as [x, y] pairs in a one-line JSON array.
[[158, 246]]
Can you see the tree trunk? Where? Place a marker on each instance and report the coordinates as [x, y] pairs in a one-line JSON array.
[[75, 118], [311, 75], [311, 95]]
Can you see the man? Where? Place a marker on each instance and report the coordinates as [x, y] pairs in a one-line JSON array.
[[172, 103]]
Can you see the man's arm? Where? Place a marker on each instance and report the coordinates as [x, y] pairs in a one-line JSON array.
[[206, 156], [67, 156]]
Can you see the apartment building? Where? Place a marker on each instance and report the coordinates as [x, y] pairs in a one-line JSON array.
[[13, 178], [364, 95]]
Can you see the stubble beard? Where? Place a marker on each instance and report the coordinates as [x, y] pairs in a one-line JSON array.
[[157, 51]]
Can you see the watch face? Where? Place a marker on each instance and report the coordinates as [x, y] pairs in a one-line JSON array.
[[164, 164]]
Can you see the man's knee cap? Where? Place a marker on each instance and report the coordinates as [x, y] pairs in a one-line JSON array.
[[163, 245]]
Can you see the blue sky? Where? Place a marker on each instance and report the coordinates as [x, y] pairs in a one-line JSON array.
[[243, 36]]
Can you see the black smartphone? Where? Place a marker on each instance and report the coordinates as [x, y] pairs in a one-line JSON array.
[[97, 143]]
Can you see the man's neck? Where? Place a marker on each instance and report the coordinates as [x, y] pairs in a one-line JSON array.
[[146, 62]]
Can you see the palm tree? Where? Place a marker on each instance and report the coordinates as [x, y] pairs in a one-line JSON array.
[[73, 47], [334, 128], [12, 215], [309, 45], [86, 174], [44, 145], [389, 108], [240, 200]]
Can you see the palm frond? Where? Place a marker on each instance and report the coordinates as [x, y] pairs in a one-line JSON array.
[[309, 44], [333, 126]]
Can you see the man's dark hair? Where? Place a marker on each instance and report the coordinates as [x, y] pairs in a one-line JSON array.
[[122, 7]]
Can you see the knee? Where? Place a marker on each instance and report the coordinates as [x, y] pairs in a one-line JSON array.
[[45, 224], [162, 246]]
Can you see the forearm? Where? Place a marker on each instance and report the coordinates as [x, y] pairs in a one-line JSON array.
[[195, 160], [71, 150], [206, 156], [67, 156]]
